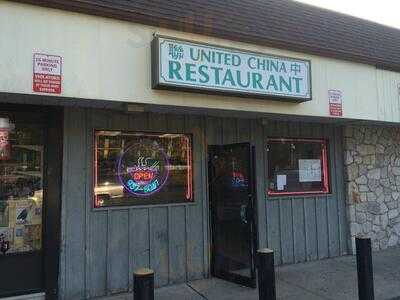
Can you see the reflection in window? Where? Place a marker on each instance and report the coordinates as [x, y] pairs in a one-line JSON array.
[[297, 166], [135, 168], [21, 187]]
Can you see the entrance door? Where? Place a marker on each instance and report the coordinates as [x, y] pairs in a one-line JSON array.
[[232, 195], [30, 177]]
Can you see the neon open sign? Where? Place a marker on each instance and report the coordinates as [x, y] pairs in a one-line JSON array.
[[143, 169]]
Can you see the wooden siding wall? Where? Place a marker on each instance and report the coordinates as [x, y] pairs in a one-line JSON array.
[[309, 227], [101, 248]]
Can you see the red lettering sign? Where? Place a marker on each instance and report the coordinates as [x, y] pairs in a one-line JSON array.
[[335, 103], [47, 73]]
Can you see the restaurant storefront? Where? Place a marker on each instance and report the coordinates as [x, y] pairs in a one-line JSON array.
[[130, 145]]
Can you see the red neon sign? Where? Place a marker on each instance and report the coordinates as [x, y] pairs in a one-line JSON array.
[[143, 175]]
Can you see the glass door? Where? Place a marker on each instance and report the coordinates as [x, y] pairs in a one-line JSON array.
[[29, 199], [232, 213]]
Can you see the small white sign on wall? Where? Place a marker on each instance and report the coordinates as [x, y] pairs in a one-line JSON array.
[[47, 73], [281, 182], [310, 170], [335, 103]]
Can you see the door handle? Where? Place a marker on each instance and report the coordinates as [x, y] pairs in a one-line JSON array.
[[243, 213]]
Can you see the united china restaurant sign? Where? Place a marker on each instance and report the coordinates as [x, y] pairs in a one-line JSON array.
[[190, 66]]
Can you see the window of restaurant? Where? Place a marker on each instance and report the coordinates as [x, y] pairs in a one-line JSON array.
[[30, 198], [21, 187], [140, 168], [297, 166]]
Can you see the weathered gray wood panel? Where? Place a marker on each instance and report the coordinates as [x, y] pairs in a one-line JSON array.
[[286, 226], [309, 227], [74, 205], [139, 241], [101, 248], [257, 131], [322, 227], [195, 214], [118, 251], [344, 231], [159, 260], [177, 244], [97, 265], [299, 239]]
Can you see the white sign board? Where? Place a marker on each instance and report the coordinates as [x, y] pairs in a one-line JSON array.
[[335, 103], [47, 73], [198, 67], [281, 182], [310, 170]]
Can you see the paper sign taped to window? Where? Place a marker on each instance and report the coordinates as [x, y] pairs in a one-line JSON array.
[[310, 170], [280, 182]]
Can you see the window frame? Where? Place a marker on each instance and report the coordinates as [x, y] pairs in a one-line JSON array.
[[326, 190], [142, 205]]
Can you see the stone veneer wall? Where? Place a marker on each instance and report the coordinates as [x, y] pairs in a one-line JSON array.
[[372, 168]]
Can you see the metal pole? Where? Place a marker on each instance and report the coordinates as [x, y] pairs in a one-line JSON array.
[[266, 274], [143, 288], [364, 269]]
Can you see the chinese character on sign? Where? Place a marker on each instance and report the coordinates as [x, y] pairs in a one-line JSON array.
[[175, 51], [295, 68]]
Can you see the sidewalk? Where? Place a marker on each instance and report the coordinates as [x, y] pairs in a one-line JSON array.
[[328, 279]]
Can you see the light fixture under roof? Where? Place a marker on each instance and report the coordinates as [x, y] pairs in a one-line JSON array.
[[135, 108]]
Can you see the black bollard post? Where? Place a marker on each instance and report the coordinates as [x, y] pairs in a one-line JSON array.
[[143, 284], [364, 269], [266, 274]]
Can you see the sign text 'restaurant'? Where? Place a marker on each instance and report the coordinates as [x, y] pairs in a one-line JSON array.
[[195, 66]]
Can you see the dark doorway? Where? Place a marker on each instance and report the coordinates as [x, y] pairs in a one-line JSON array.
[[30, 199], [232, 214]]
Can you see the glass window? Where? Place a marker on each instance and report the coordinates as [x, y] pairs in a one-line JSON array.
[[297, 166], [21, 187], [138, 168]]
